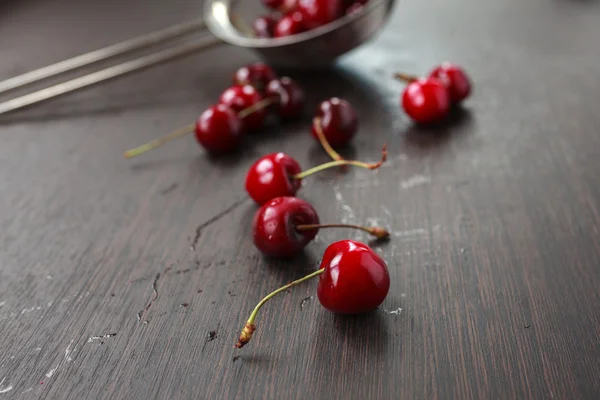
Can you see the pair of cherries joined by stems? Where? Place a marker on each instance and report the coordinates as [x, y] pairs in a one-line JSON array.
[[353, 279], [242, 108], [430, 99], [291, 17]]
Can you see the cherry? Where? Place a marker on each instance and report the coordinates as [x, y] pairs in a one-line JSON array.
[[278, 174], [272, 176], [290, 24], [283, 226], [257, 74], [455, 79], [334, 125], [219, 129], [320, 12], [264, 27], [353, 279], [426, 100], [241, 97], [274, 226], [290, 97]]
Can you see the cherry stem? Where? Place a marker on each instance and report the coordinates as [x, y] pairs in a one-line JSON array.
[[376, 231], [155, 143], [257, 106], [401, 76], [190, 128], [249, 329], [317, 122], [336, 163]]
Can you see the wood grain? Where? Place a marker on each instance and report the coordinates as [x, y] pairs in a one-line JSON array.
[[494, 258]]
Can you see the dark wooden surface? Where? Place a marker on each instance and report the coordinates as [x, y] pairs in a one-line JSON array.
[[495, 254]]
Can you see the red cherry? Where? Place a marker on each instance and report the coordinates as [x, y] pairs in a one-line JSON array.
[[278, 174], [338, 121], [290, 24], [426, 100], [272, 176], [264, 26], [218, 129], [355, 279], [290, 97], [320, 12], [283, 226], [274, 226], [257, 74], [455, 79], [241, 97], [352, 279]]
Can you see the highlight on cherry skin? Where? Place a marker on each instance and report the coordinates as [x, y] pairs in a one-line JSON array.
[[283, 226], [278, 174], [353, 279]]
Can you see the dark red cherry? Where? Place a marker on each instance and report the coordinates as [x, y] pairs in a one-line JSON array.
[[264, 27], [290, 97], [320, 12], [455, 79], [272, 176], [273, 4], [338, 121], [355, 278], [426, 100], [274, 226], [256, 74], [219, 130], [290, 24], [241, 97]]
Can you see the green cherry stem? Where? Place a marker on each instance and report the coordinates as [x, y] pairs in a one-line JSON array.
[[337, 163], [317, 122], [249, 328]]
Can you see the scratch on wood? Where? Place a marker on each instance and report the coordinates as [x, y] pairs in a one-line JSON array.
[[169, 189], [99, 337], [4, 389], [154, 294], [304, 301], [214, 219]]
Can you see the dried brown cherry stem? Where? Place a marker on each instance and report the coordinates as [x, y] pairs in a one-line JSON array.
[[249, 328], [401, 76], [191, 128], [317, 123], [336, 163], [376, 231]]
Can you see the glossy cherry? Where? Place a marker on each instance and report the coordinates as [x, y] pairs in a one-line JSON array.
[[218, 129], [291, 24], [338, 121], [353, 279], [272, 176], [241, 97], [280, 5], [278, 174], [274, 226], [264, 27], [256, 74], [283, 226], [426, 100], [290, 97], [455, 79], [320, 12]]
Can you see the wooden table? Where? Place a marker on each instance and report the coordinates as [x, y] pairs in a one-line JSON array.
[[495, 252]]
